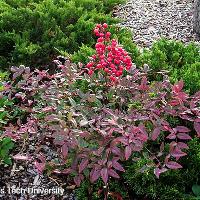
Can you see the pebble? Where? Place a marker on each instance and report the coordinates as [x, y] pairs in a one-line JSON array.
[[149, 20]]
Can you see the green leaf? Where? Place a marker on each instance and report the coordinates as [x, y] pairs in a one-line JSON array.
[[196, 190], [7, 161], [110, 95], [8, 143], [4, 153]]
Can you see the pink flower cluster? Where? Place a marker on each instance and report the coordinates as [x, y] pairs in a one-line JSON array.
[[109, 57]]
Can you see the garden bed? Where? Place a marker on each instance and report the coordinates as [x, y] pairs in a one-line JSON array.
[[103, 121]]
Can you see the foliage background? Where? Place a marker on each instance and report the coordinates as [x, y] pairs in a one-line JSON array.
[[32, 32]]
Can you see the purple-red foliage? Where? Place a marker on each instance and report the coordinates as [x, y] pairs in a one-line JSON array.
[[96, 131]]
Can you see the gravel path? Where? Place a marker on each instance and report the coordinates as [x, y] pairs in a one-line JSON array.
[[150, 20], [21, 180]]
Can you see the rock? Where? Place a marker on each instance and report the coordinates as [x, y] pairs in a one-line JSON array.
[[197, 17], [150, 20], [36, 180]]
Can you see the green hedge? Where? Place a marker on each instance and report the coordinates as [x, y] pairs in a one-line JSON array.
[[181, 60], [33, 32]]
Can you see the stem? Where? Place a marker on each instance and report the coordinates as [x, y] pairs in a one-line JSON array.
[[90, 191], [106, 192], [152, 154]]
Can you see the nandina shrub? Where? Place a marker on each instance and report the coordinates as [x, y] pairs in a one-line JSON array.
[[98, 130], [97, 127]]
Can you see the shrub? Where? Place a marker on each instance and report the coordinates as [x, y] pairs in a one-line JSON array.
[[32, 32], [191, 76], [94, 126], [176, 184], [182, 61], [5, 103], [96, 131], [98, 124], [6, 144]]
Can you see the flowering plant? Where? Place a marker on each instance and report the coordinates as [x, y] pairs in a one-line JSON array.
[[95, 127]]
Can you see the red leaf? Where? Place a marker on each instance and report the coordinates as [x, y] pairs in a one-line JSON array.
[[67, 171], [172, 145], [158, 171], [173, 165], [57, 171], [174, 102], [184, 96], [113, 173], [177, 153], [109, 164], [116, 151], [144, 85], [99, 192], [197, 128], [77, 180], [64, 150], [112, 121], [52, 118], [171, 136], [117, 166], [178, 86], [128, 152], [104, 175], [167, 128], [48, 109], [182, 129], [162, 147], [143, 135], [94, 175], [197, 120], [182, 145], [186, 117], [167, 158], [99, 151], [83, 165], [183, 136], [155, 134], [110, 112], [40, 166]]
